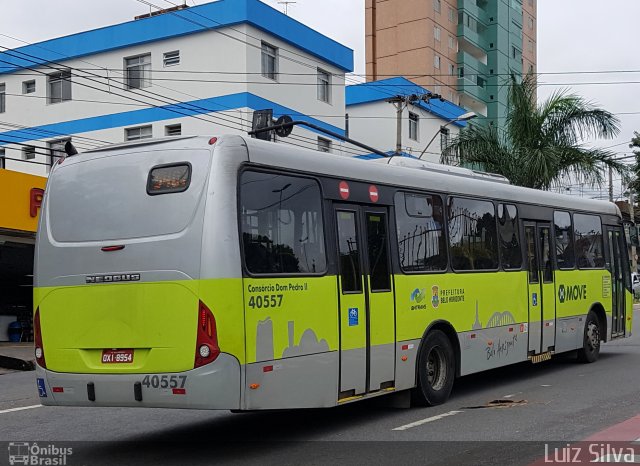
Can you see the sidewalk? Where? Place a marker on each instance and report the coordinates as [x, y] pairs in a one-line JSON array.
[[16, 356]]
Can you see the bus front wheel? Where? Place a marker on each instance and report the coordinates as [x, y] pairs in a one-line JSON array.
[[591, 341], [436, 369]]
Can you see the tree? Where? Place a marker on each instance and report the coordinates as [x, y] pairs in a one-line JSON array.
[[540, 145], [634, 183]]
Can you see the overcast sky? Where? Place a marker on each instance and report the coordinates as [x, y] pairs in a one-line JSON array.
[[573, 36]]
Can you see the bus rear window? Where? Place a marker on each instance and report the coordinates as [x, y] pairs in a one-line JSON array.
[[165, 179]]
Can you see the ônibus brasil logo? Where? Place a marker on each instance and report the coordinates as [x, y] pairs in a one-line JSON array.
[[31, 453], [572, 293]]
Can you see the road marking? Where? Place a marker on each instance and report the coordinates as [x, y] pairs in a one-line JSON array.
[[19, 409], [509, 396], [429, 419]]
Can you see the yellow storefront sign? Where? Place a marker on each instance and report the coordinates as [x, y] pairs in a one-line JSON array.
[[20, 199]]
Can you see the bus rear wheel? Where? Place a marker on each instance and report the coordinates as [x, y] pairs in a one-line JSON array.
[[436, 370], [590, 350]]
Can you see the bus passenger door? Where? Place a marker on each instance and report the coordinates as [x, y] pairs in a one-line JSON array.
[[535, 290], [547, 288], [367, 315], [617, 253]]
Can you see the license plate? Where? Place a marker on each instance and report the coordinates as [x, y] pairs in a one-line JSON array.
[[117, 356]]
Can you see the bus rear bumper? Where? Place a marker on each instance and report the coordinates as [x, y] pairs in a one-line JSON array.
[[214, 386]]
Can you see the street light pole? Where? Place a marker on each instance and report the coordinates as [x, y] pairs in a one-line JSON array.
[[464, 117]]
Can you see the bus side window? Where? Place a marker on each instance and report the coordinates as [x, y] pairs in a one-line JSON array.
[[589, 243], [510, 251], [473, 241], [281, 222], [565, 255], [422, 244]]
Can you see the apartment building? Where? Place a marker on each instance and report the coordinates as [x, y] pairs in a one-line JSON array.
[[197, 70], [461, 49]]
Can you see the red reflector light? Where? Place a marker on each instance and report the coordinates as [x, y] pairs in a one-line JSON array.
[[112, 248], [405, 347], [179, 391], [267, 369], [57, 389], [37, 336], [511, 329], [473, 335], [212, 141], [207, 337]]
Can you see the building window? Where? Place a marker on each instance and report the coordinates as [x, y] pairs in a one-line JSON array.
[[452, 42], [436, 33], [452, 70], [437, 5], [137, 71], [324, 145], [436, 61], [140, 132], [530, 46], [29, 87], [515, 52], [530, 68], [324, 86], [28, 152], [452, 15], [171, 58], [173, 130], [56, 150], [413, 126], [481, 81], [269, 61], [3, 98], [530, 23], [531, 3], [59, 87], [444, 138], [3, 161]]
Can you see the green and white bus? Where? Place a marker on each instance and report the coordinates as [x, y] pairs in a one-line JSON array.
[[233, 273]]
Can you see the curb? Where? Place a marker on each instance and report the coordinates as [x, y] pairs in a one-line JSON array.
[[16, 364]]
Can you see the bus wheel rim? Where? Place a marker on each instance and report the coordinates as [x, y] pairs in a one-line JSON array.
[[436, 368], [593, 336]]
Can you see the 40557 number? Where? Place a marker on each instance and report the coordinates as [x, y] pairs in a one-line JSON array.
[[265, 301], [164, 381]]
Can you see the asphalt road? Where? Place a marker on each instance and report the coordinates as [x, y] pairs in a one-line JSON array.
[[557, 401]]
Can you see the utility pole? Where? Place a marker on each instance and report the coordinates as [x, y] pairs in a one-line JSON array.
[[400, 102], [610, 184], [634, 260]]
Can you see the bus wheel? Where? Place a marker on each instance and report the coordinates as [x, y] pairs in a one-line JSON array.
[[436, 369], [591, 342]]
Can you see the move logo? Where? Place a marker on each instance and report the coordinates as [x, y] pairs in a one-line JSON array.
[[572, 293]]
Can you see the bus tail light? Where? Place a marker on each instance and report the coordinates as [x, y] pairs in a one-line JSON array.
[[37, 336], [207, 349]]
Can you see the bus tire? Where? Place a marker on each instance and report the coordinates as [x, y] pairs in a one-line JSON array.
[[591, 340], [436, 370]]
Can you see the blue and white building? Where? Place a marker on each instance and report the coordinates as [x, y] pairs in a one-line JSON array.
[[372, 118], [197, 70]]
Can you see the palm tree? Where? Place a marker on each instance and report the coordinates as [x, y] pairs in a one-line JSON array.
[[540, 145]]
